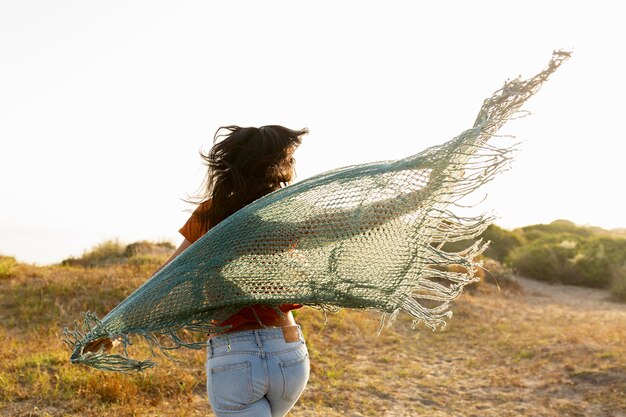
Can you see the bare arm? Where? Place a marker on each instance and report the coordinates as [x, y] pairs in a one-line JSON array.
[[177, 252]]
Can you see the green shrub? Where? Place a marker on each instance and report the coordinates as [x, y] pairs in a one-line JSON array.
[[613, 248], [591, 271], [618, 283], [503, 242], [597, 260], [571, 258], [545, 261]]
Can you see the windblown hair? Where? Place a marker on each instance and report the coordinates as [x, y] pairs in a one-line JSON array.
[[244, 164]]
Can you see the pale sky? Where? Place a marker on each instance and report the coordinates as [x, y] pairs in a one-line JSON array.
[[104, 105]]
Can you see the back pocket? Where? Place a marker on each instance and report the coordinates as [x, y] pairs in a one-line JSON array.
[[295, 377], [232, 386]]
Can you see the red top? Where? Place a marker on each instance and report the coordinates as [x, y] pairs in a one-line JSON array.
[[193, 230]]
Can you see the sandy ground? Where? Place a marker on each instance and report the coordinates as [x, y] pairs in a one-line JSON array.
[[569, 297]]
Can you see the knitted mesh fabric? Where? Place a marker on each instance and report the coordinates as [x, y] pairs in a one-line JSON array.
[[366, 237]]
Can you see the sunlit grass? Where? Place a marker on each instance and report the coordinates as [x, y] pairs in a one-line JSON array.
[[8, 266], [502, 354]]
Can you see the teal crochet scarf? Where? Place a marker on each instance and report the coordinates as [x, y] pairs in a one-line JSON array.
[[365, 236]]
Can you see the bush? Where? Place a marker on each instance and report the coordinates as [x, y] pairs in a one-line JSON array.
[[597, 260], [592, 271], [618, 283], [571, 258], [613, 248], [546, 260], [503, 242]]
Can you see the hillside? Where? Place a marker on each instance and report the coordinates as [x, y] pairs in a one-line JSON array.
[[529, 349]]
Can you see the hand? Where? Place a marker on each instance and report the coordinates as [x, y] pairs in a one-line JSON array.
[[101, 345]]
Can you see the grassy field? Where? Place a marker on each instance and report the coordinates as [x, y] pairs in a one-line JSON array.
[[531, 349]]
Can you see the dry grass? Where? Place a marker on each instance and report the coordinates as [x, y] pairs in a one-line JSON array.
[[547, 351]]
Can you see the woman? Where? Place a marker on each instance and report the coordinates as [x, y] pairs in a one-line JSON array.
[[259, 366]]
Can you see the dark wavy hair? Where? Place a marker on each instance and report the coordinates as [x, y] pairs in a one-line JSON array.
[[244, 164]]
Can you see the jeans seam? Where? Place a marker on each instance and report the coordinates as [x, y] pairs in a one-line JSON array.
[[284, 367], [236, 352]]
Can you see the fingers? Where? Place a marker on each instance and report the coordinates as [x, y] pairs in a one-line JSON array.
[[101, 345], [116, 342], [94, 346]]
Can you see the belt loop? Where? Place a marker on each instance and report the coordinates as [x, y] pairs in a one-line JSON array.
[[209, 349], [257, 337], [259, 342]]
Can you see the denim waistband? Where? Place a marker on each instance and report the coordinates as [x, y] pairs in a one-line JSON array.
[[269, 333]]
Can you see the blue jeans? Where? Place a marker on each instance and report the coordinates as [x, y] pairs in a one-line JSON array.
[[256, 373]]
